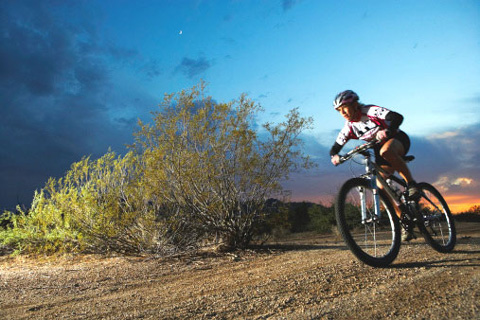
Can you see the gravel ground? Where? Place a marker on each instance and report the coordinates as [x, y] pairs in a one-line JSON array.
[[305, 277]]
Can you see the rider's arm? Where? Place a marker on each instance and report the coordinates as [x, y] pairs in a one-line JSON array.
[[335, 149], [395, 120], [334, 157], [388, 120], [343, 136]]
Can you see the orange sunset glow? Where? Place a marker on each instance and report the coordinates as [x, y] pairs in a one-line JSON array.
[[460, 203], [457, 203]]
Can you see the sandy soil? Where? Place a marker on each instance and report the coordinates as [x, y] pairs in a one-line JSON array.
[[307, 277]]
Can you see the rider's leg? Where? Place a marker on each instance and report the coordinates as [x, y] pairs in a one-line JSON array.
[[389, 171], [406, 235], [393, 151]]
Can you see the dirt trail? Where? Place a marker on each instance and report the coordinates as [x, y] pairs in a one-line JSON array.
[[309, 279]]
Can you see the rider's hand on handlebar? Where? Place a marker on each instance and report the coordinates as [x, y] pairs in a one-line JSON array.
[[335, 160], [382, 135]]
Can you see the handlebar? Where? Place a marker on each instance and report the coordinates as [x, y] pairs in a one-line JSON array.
[[360, 149]]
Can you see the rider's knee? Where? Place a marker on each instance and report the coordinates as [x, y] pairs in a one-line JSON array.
[[389, 154], [392, 150], [386, 153]]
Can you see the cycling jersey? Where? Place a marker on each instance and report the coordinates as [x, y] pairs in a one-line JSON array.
[[373, 119]]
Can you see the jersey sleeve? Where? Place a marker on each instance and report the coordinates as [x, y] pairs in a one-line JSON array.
[[395, 120], [378, 115], [385, 118], [344, 135]]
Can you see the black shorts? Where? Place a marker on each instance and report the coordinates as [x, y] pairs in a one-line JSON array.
[[400, 136]]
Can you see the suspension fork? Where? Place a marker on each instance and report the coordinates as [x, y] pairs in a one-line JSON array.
[[376, 199], [371, 174], [363, 203], [376, 202]]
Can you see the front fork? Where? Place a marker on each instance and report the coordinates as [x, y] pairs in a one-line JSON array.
[[376, 203]]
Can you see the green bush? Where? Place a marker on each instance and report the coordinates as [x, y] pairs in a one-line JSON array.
[[98, 206], [199, 170], [276, 222], [321, 218], [298, 216], [206, 160]]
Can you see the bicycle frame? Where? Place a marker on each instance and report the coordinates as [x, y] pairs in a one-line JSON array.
[[375, 174], [360, 201], [377, 178]]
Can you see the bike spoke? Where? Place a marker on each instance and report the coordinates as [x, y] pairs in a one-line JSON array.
[[375, 240], [439, 230]]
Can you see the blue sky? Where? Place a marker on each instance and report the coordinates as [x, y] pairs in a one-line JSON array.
[[75, 76]]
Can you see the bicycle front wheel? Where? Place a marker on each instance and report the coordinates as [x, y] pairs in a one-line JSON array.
[[435, 220], [373, 240]]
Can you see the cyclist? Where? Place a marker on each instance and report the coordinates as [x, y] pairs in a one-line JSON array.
[[370, 122]]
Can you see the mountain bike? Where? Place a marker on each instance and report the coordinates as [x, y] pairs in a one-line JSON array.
[[368, 222]]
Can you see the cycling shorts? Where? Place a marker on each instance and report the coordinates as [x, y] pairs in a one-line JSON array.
[[400, 136]]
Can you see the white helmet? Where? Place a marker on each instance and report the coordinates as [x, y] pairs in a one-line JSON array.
[[344, 97]]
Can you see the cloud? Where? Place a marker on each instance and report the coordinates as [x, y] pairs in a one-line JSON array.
[[56, 94], [462, 144], [263, 95], [320, 183], [448, 160], [446, 183], [151, 69], [191, 67], [288, 4], [229, 40], [474, 100]]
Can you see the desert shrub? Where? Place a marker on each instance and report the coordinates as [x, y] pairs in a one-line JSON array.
[[207, 160], [298, 216], [322, 218], [198, 170], [471, 215], [276, 222], [97, 206]]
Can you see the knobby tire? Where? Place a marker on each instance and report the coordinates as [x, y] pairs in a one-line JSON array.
[[386, 233], [435, 220]]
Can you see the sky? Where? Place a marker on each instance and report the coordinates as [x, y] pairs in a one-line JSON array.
[[76, 75]]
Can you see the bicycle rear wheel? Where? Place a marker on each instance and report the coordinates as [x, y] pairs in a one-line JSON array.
[[376, 242], [435, 220]]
